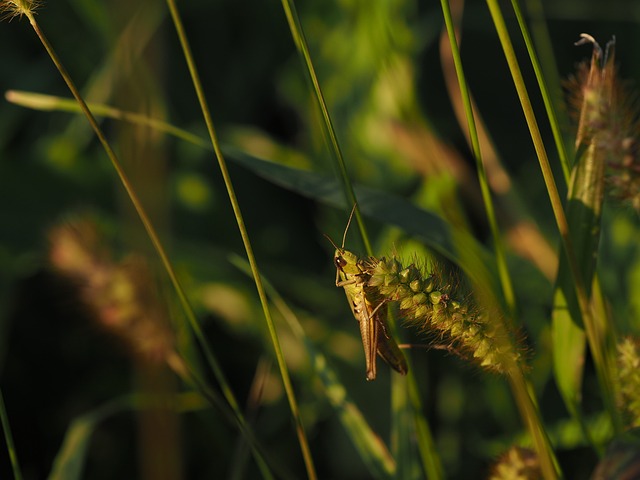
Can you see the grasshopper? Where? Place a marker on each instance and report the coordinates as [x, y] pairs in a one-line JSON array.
[[352, 275]]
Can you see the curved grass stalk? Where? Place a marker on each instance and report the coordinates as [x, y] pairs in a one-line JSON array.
[[503, 271], [284, 372], [25, 8], [40, 101]]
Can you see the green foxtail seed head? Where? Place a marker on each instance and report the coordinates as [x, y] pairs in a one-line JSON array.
[[628, 376], [608, 127], [17, 8], [434, 303], [517, 463], [121, 297]]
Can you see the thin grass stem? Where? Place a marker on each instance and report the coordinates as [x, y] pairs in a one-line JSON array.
[[503, 271], [150, 229], [301, 44], [431, 462], [284, 372], [8, 438], [529, 412], [191, 377], [544, 91]]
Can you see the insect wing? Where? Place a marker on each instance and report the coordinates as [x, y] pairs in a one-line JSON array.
[[387, 347], [369, 330]]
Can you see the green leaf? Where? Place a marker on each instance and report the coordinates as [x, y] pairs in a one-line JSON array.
[[70, 460], [71, 457], [386, 208], [371, 448]]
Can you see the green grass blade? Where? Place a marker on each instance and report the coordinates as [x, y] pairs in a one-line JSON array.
[[8, 438], [284, 372], [70, 460], [431, 462], [71, 457], [386, 208], [569, 339], [500, 256], [51, 103], [371, 448], [546, 97], [301, 44]]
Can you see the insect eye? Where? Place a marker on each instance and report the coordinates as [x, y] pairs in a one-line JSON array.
[[340, 262]]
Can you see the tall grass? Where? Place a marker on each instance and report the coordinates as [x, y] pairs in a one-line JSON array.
[[515, 320]]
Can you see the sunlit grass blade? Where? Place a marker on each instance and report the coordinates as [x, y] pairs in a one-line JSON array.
[[71, 457], [48, 103], [284, 372], [544, 90], [498, 244]]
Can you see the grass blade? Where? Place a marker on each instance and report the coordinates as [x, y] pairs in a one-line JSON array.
[[70, 459], [546, 97], [501, 263], [284, 372], [330, 134], [8, 438]]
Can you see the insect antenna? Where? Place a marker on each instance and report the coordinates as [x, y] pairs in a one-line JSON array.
[[332, 242], [344, 236]]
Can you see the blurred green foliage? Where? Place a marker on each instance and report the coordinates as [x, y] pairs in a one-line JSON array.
[[380, 66]]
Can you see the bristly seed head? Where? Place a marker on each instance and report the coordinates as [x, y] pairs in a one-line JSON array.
[[628, 377], [122, 297], [17, 8], [608, 121], [435, 303]]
